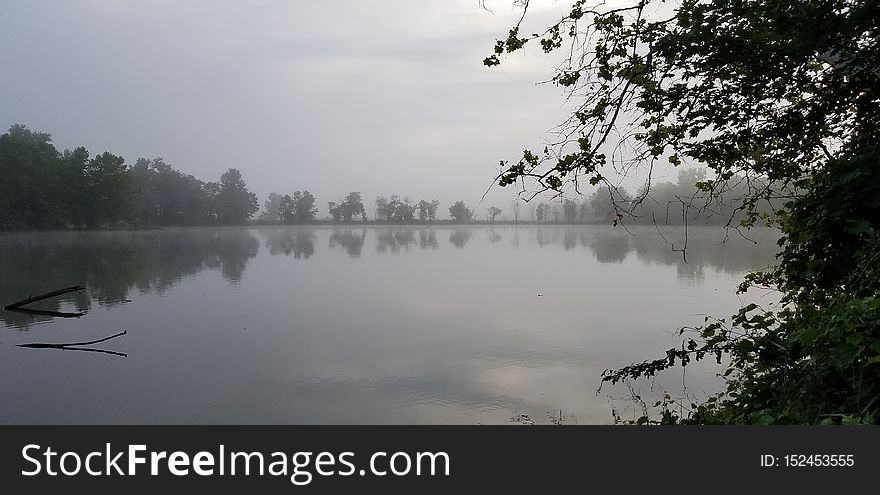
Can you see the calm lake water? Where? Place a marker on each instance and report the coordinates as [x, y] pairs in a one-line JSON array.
[[355, 325]]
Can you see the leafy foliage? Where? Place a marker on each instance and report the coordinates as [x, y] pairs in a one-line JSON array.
[[428, 210], [395, 210], [494, 212], [460, 212], [235, 202], [299, 208], [780, 101], [349, 208]]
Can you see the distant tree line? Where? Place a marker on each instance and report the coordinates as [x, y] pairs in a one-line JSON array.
[[298, 208], [662, 203], [395, 210], [44, 188]]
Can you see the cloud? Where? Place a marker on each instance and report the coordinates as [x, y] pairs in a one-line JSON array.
[[384, 96]]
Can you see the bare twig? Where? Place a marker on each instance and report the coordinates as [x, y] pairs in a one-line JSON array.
[[40, 297], [42, 312], [77, 346]]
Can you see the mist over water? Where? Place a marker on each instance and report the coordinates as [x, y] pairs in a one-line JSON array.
[[355, 324]]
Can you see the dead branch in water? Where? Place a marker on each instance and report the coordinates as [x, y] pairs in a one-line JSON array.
[[42, 312], [40, 297], [77, 343], [76, 346]]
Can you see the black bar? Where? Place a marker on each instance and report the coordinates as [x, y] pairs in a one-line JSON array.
[[497, 459]]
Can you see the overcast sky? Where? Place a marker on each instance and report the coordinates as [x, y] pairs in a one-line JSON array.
[[380, 96]]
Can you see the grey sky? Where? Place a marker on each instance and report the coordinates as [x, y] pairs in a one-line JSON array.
[[381, 96]]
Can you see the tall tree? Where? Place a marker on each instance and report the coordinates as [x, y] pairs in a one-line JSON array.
[[235, 203], [494, 211], [460, 213], [402, 211], [395, 210], [109, 189], [75, 192], [542, 212], [383, 212], [427, 210], [287, 209], [611, 203], [348, 209], [182, 199], [354, 207], [272, 208], [433, 206], [336, 211], [299, 208], [145, 198], [28, 167], [423, 208], [304, 206], [207, 203]]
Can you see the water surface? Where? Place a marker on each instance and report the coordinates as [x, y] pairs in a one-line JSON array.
[[355, 325]]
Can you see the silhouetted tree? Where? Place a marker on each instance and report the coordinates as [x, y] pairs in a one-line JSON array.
[[517, 207], [383, 210], [209, 201], [542, 212], [432, 210], [402, 211], [235, 203], [395, 210], [272, 208], [108, 189], [335, 211], [299, 208], [422, 208], [145, 197], [75, 193], [460, 212], [494, 211], [29, 169], [305, 206], [427, 210], [43, 188], [349, 208], [182, 199], [610, 203]]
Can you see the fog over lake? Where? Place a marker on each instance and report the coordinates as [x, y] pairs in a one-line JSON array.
[[356, 324]]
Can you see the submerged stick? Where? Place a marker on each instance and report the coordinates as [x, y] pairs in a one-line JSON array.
[[104, 351], [40, 297], [85, 349], [71, 344], [76, 346], [43, 312]]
